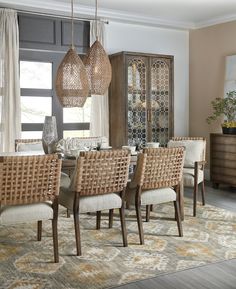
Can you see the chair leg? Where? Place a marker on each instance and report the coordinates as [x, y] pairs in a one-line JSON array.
[[111, 211], [195, 193], [39, 233], [151, 208], [123, 226], [68, 213], [77, 233], [148, 208], [140, 223], [55, 240], [98, 222], [178, 218], [203, 193]]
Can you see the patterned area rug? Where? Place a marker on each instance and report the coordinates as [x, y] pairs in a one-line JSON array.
[[26, 263]]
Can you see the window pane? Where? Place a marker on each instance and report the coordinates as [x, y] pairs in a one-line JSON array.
[[31, 134], [34, 109], [76, 133], [77, 114], [35, 75]]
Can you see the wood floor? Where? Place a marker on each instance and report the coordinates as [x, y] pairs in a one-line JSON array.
[[221, 275]]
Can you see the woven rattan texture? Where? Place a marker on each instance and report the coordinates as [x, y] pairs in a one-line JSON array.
[[180, 138], [29, 179], [72, 82], [29, 140], [98, 67], [164, 167], [102, 172]]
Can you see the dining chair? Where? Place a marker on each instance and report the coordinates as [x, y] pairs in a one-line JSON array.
[[99, 176], [156, 180], [194, 164], [29, 188], [28, 145]]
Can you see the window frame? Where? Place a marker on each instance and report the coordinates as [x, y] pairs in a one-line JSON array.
[[57, 110]]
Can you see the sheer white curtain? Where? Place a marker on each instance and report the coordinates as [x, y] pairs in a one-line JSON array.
[[99, 122], [10, 122]]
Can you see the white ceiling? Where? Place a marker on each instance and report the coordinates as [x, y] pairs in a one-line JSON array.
[[182, 14]]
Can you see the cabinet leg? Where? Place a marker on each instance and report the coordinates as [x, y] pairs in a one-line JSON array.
[[215, 185]]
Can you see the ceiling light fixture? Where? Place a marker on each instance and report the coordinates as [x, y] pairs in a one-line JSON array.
[[72, 85], [98, 65]]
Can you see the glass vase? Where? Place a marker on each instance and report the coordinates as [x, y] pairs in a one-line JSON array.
[[49, 137]]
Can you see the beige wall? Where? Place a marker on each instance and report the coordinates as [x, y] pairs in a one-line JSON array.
[[208, 49]]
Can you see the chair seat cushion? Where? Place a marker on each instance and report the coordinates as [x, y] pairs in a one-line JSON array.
[[65, 180], [188, 176], [89, 203], [156, 196], [26, 213]]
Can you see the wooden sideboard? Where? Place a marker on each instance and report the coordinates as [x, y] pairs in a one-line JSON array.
[[223, 159]]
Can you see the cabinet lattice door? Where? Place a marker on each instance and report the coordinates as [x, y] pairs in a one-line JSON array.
[[140, 99]]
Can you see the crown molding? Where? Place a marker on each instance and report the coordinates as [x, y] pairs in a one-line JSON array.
[[64, 8], [215, 21]]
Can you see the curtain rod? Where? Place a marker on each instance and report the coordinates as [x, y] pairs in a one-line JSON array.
[[55, 15]]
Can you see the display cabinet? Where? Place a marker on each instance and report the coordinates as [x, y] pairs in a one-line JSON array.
[[141, 99]]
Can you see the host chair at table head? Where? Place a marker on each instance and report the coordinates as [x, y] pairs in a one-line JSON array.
[[22, 145], [156, 180], [29, 188], [99, 176], [194, 163]]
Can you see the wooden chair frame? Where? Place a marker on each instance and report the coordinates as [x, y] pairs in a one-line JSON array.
[[197, 165]]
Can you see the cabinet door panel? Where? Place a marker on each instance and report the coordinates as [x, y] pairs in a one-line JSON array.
[[159, 101], [137, 92]]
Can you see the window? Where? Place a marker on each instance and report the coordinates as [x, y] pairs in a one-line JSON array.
[[38, 98], [43, 43]]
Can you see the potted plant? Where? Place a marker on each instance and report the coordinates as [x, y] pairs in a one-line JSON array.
[[227, 107]]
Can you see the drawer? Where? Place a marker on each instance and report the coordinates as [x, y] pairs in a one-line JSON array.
[[223, 163], [219, 178], [225, 140], [223, 155], [223, 171], [224, 148]]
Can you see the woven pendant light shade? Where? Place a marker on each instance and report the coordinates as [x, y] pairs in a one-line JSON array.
[[98, 68], [72, 85]]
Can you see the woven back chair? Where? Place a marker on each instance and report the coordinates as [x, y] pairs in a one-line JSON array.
[[28, 144], [99, 176], [193, 176], [157, 180], [30, 186]]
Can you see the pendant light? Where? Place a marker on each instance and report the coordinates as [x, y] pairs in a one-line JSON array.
[[98, 65], [72, 85]]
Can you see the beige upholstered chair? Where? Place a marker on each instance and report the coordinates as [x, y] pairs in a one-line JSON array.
[[22, 145], [193, 172], [156, 180], [98, 177], [29, 188]]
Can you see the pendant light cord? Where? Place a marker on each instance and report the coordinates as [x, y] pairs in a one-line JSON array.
[[72, 24], [96, 19]]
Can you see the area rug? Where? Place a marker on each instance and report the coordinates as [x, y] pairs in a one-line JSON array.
[[27, 263]]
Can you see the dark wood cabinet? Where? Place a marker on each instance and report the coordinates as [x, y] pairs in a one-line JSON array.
[[223, 159], [141, 99]]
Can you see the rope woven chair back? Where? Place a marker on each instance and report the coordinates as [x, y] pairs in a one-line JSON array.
[[102, 172], [29, 179], [183, 138], [164, 167], [26, 141]]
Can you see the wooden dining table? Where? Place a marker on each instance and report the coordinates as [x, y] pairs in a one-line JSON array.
[[69, 164]]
